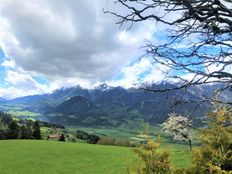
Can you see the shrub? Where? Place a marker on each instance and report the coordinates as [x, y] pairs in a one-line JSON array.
[[124, 143], [113, 142], [152, 160], [82, 135], [72, 139], [106, 141], [90, 138], [215, 154]]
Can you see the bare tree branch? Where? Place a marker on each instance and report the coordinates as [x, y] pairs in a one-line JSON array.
[[199, 41]]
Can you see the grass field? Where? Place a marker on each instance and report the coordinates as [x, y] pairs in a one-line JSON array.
[[21, 113], [180, 153], [51, 157]]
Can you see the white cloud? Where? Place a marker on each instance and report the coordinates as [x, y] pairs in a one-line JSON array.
[[21, 84], [14, 92], [68, 39], [8, 63], [72, 43], [25, 81], [142, 71], [157, 74]]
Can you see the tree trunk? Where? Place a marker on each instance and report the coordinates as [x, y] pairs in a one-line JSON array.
[[190, 144]]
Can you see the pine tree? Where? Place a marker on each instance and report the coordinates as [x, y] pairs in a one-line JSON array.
[[36, 131], [23, 132], [152, 159], [215, 154], [29, 130], [13, 131]]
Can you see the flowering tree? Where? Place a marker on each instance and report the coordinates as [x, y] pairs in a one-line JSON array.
[[179, 127]]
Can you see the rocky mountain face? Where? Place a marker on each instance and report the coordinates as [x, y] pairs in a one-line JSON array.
[[112, 106], [74, 105]]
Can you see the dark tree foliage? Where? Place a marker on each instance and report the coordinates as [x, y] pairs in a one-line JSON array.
[[5, 118], [93, 139], [36, 130], [198, 41], [62, 137], [82, 135], [90, 138], [46, 124], [29, 130], [23, 132], [22, 128], [3, 135], [13, 131]]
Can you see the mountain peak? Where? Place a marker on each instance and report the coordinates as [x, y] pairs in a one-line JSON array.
[[103, 87]]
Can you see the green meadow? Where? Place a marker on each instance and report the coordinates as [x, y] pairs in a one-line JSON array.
[[23, 113], [53, 157], [179, 153]]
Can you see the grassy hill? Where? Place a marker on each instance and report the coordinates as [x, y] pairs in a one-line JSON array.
[[52, 157]]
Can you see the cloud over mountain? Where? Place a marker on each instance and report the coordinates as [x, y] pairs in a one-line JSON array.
[[72, 39]]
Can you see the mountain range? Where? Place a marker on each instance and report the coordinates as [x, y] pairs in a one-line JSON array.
[[111, 106]]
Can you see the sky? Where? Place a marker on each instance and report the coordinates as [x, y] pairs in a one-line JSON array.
[[47, 45]]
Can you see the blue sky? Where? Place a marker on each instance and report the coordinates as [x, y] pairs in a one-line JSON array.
[[2, 70], [52, 45]]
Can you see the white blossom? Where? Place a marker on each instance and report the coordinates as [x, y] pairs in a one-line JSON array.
[[178, 126]]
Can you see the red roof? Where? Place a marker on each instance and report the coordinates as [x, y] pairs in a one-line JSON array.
[[53, 136]]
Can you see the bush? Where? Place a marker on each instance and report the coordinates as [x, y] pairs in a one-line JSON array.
[[82, 135], [113, 142], [106, 141], [72, 139], [152, 160], [124, 143], [183, 171], [90, 138]]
